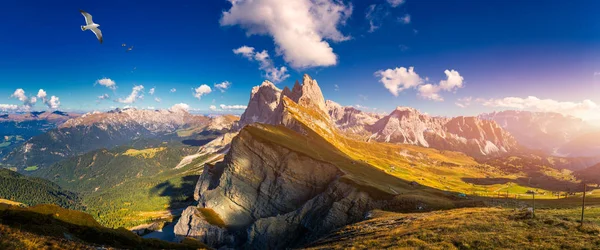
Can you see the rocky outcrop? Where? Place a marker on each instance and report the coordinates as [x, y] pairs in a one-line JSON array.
[[350, 119], [266, 106], [222, 122], [192, 223], [406, 125], [271, 197], [471, 135], [307, 94], [340, 205], [264, 99]]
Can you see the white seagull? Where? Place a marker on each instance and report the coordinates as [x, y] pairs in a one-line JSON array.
[[90, 25]]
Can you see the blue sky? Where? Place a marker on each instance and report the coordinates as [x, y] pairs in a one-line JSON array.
[[501, 51]]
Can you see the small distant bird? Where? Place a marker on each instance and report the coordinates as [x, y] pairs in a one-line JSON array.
[[123, 45], [90, 25], [129, 49]]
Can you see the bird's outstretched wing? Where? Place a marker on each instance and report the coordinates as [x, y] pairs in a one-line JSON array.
[[98, 34], [88, 17]]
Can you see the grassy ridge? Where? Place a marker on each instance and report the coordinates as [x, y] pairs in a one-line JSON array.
[[381, 165], [467, 228]]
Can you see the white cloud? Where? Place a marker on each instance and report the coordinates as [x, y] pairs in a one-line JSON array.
[[213, 107], [180, 107], [151, 91], [232, 107], [398, 79], [272, 73], [223, 86], [202, 90], [405, 19], [150, 107], [135, 94], [28, 102], [431, 92], [299, 28], [245, 51], [20, 94], [363, 97], [375, 15], [540, 104], [395, 3], [336, 87], [107, 82], [156, 99], [8, 107], [465, 101], [453, 81], [173, 90], [103, 97], [53, 102], [41, 94], [585, 109]]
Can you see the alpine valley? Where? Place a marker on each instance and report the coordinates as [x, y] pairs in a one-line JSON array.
[[294, 170]]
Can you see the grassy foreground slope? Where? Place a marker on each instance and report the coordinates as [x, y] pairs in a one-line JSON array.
[[465, 228], [52, 227]]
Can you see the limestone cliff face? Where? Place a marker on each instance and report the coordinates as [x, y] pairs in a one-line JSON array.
[[266, 106], [340, 205], [261, 107], [270, 197], [193, 224]]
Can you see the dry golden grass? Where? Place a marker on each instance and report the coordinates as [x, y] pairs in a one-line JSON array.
[[467, 228], [13, 238], [144, 153]]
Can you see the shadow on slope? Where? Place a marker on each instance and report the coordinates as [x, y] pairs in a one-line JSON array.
[[59, 223], [180, 194]]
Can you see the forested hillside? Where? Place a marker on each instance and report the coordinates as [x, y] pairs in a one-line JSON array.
[[32, 191]]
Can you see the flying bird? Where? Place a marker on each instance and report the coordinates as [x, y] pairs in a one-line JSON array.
[[129, 49], [90, 25], [123, 45]]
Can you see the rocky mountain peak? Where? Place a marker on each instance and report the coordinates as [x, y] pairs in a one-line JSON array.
[[265, 105], [264, 99], [307, 94]]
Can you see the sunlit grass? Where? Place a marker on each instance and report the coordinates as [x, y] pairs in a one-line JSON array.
[[468, 228], [147, 153]]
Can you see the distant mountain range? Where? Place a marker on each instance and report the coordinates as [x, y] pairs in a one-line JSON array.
[[118, 127], [553, 133], [18, 128], [471, 135]]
